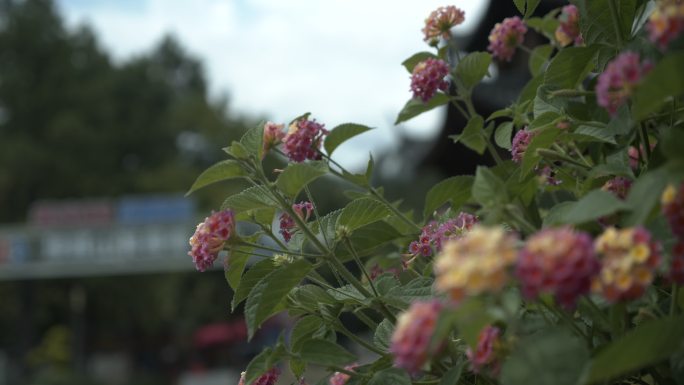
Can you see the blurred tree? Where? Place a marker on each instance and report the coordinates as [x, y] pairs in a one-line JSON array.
[[73, 123]]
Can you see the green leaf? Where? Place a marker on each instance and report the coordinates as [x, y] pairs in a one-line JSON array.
[[325, 353], [312, 297], [488, 189], [415, 107], [596, 22], [546, 358], [341, 133], [531, 7], [594, 205], [569, 67], [502, 136], [546, 26], [472, 68], [644, 196], [473, 135], [297, 367], [236, 265], [538, 58], [361, 212], [543, 139], [665, 80], [303, 331], [236, 150], [253, 140], [253, 198], [411, 62], [416, 290], [297, 175], [250, 279], [383, 334], [545, 120], [471, 317], [520, 4], [224, 170], [370, 237], [594, 133], [452, 376], [259, 365], [391, 376], [456, 190], [556, 215], [611, 169], [647, 344], [271, 291]]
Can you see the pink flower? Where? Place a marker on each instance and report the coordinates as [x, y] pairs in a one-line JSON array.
[[412, 335], [547, 174], [209, 238], [273, 135], [629, 258], [485, 357], [339, 378], [677, 267], [672, 202], [428, 77], [435, 234], [440, 22], [506, 37], [288, 224], [268, 378], [617, 82], [666, 23], [303, 140], [618, 186], [568, 30], [558, 261], [521, 140]]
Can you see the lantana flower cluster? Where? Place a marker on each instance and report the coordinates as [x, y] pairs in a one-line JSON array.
[[629, 258], [440, 22], [435, 234], [476, 263], [558, 261], [303, 140], [568, 31], [273, 136], [506, 37], [485, 357], [666, 23], [287, 224], [521, 140], [428, 77], [672, 203], [209, 238], [617, 82], [410, 341]]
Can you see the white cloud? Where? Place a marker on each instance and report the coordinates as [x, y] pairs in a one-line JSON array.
[[339, 59]]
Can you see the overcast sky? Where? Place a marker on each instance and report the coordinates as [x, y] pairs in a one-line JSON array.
[[339, 59]]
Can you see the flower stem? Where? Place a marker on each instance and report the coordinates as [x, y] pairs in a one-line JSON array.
[[340, 327], [674, 299]]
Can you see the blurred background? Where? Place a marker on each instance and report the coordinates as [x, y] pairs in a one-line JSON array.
[[110, 109]]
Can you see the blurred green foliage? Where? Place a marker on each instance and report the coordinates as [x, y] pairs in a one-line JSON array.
[[76, 123]]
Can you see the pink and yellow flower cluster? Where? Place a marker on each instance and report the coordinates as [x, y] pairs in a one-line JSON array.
[[440, 22], [629, 258], [477, 263], [209, 238]]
